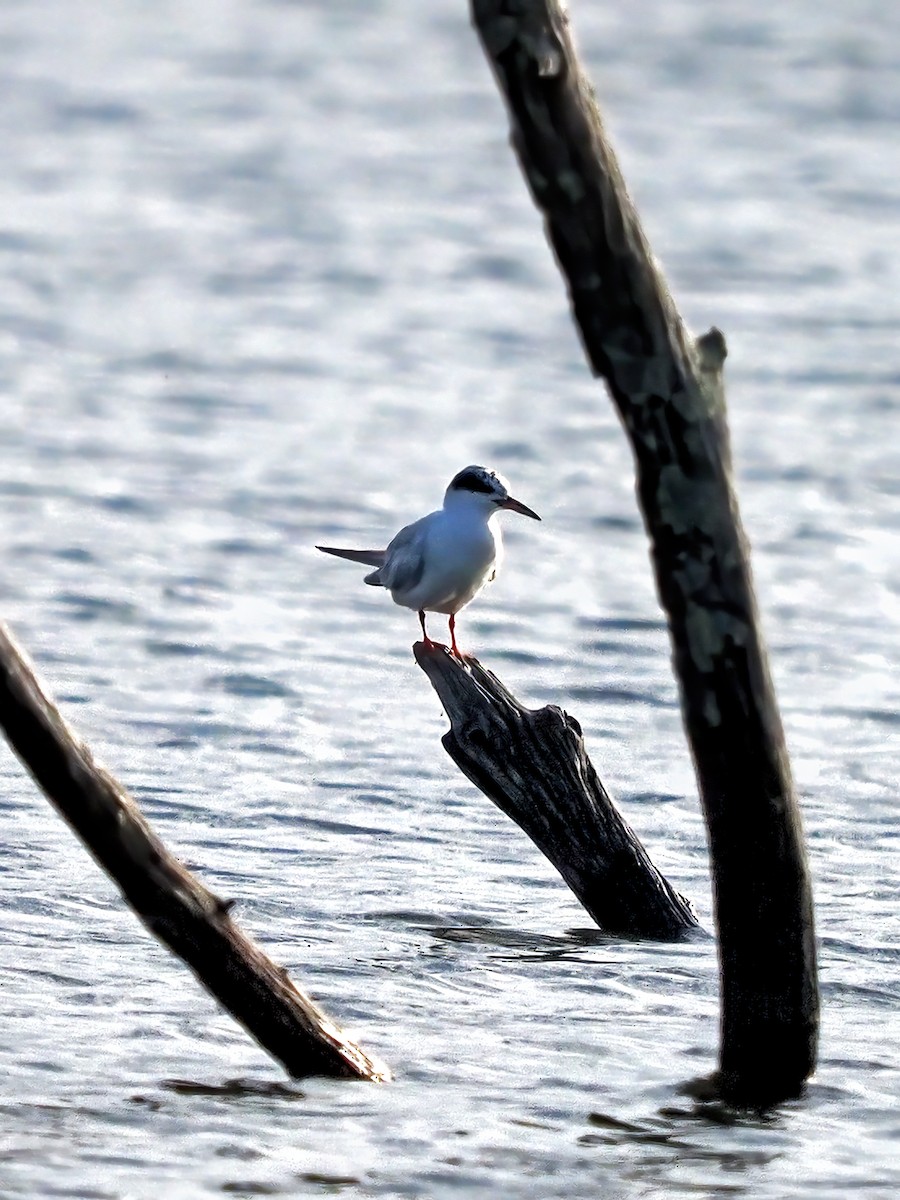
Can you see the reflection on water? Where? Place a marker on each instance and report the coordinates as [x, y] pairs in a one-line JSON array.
[[269, 278]]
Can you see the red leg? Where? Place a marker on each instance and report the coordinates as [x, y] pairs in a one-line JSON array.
[[425, 638], [453, 646]]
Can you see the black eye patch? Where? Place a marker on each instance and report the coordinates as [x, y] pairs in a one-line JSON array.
[[468, 481]]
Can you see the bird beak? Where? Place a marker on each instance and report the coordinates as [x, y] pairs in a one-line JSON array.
[[519, 507]]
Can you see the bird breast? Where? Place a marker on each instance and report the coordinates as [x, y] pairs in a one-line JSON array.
[[459, 559]]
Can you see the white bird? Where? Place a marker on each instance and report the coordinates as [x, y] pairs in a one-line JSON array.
[[443, 560]]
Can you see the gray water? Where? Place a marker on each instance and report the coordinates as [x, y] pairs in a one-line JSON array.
[[270, 277]]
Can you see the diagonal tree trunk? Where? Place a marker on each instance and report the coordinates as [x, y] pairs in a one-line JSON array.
[[171, 902], [533, 765], [669, 394]]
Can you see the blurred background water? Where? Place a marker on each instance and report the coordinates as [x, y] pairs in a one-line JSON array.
[[270, 277]]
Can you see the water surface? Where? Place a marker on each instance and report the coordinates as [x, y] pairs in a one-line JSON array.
[[270, 277]]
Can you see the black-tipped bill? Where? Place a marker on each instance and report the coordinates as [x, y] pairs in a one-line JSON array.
[[519, 507]]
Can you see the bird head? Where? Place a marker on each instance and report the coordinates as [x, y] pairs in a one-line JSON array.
[[485, 489]]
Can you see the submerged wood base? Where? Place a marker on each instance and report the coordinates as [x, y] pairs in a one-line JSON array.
[[532, 763], [171, 902]]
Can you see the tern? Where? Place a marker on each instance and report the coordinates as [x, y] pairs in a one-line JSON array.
[[442, 561]]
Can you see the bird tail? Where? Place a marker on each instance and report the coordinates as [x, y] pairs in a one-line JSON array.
[[370, 558]]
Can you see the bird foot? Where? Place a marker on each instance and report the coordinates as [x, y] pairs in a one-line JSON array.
[[464, 660], [431, 644], [452, 651]]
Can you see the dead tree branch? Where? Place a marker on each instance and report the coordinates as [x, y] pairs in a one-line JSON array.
[[169, 900], [533, 765]]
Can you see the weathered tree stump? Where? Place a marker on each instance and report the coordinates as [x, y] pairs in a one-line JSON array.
[[169, 900], [668, 391], [533, 765]]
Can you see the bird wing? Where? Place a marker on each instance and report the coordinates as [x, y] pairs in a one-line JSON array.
[[370, 558], [404, 562]]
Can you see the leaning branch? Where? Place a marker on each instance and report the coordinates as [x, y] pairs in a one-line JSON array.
[[171, 902], [533, 765], [669, 394]]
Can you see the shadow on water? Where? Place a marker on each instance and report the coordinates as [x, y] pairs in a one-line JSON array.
[[231, 1089], [521, 944], [525, 945], [691, 1139]]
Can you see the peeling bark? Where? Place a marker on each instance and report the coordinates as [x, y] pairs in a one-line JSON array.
[[170, 901], [533, 765], [669, 394]]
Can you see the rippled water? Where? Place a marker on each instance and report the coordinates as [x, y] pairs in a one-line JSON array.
[[269, 277]]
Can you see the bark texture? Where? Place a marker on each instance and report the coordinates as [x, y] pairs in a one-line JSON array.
[[533, 765], [668, 391], [171, 902]]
